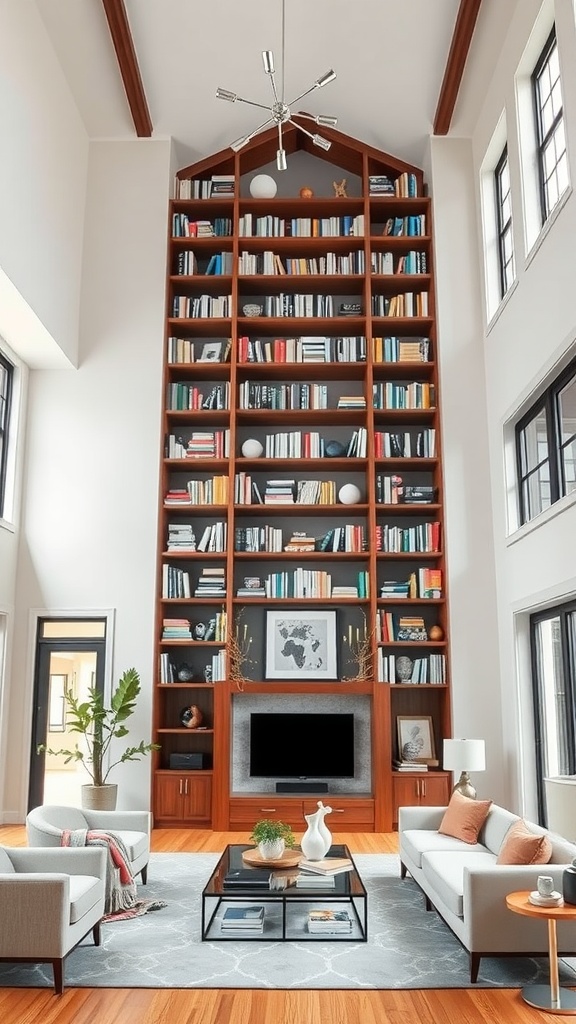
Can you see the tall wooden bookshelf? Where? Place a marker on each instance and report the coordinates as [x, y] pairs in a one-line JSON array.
[[364, 377]]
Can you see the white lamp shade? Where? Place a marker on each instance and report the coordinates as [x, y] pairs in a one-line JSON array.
[[561, 805], [464, 755]]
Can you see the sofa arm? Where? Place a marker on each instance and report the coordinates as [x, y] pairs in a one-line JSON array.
[[119, 821], [35, 914], [489, 923], [81, 860], [419, 817]]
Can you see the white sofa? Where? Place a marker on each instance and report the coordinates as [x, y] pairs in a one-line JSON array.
[[468, 889]]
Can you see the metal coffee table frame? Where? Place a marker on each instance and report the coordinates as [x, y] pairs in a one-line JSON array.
[[349, 891]]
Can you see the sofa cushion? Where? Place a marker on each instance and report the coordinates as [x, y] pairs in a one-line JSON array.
[[496, 826], [521, 846], [445, 873], [464, 818], [6, 865], [135, 842], [85, 891], [416, 841]]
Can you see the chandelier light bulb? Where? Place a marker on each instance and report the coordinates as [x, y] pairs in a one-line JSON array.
[[268, 61], [239, 143], [225, 94], [324, 79], [326, 120], [321, 142], [281, 162]]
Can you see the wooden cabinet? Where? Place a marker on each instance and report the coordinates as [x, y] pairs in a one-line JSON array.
[[182, 797], [350, 814], [429, 788], [300, 348]]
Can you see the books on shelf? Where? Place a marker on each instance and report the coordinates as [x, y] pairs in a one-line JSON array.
[[308, 880], [327, 920], [327, 865], [243, 918], [410, 766]]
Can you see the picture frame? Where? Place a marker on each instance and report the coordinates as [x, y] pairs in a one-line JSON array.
[[416, 738], [211, 352], [301, 644]]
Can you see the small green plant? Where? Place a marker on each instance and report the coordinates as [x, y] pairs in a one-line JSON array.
[[99, 725], [268, 831]]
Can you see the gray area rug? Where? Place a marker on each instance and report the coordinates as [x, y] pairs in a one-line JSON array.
[[407, 947]]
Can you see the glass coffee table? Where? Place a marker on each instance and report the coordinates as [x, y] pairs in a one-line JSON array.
[[285, 910]]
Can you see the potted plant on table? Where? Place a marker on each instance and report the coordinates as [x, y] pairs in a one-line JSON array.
[[272, 838], [99, 725]]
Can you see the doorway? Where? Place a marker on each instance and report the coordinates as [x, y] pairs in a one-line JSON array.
[[70, 656]]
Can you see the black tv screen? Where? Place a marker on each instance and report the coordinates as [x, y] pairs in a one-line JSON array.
[[301, 746]]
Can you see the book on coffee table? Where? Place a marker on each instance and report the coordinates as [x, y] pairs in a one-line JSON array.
[[247, 878], [329, 921], [239, 918], [327, 866]]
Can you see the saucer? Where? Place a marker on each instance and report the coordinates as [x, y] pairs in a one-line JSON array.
[[553, 900]]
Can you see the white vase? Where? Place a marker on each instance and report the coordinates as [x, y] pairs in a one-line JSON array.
[[272, 850], [316, 840]]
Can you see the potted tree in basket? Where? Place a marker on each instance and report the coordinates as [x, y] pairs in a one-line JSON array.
[[272, 837], [99, 725]]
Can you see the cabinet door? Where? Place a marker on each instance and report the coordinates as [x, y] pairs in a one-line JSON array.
[[169, 791], [197, 803], [427, 789]]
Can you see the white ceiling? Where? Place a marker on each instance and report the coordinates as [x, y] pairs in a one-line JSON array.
[[389, 56]]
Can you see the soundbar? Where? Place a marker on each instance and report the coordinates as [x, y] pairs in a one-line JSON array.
[[301, 787]]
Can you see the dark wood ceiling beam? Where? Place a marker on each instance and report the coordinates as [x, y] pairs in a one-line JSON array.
[[128, 64], [459, 47]]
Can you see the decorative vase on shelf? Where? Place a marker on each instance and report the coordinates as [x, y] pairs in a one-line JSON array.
[[272, 849], [316, 840], [404, 666], [569, 883]]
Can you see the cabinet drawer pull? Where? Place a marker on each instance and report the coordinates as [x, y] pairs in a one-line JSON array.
[[268, 810], [337, 810]]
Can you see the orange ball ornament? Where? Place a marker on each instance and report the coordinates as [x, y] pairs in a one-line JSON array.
[[435, 633], [306, 192]]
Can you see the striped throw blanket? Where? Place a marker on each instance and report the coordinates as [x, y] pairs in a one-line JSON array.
[[121, 894]]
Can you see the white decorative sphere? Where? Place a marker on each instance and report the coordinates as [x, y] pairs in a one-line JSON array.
[[252, 449], [263, 187], [349, 494]]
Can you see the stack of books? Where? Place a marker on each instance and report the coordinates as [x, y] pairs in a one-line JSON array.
[[243, 919], [410, 766], [324, 921], [326, 866], [252, 587], [211, 583], [381, 185], [308, 880], [300, 542]]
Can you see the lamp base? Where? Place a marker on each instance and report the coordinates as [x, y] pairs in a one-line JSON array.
[[465, 787]]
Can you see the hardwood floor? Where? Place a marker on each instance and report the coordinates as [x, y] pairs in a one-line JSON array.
[[255, 1006]]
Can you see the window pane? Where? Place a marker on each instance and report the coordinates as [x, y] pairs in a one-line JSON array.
[[553, 704], [536, 492], [534, 442], [567, 410]]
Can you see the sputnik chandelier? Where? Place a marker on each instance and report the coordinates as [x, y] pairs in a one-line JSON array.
[[280, 111]]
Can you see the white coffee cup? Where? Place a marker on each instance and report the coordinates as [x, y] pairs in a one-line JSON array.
[[545, 885]]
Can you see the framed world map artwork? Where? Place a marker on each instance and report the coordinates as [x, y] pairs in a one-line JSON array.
[[301, 644]]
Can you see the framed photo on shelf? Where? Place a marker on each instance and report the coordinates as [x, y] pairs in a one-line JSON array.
[[301, 644], [416, 738], [211, 352]]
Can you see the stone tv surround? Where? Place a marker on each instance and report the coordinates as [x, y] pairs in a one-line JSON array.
[[320, 704]]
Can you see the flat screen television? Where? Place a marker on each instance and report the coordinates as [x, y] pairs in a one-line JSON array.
[[302, 746]]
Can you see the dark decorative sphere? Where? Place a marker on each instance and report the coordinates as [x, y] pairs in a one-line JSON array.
[[334, 449], [184, 673]]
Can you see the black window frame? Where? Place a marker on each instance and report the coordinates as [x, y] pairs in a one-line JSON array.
[[542, 139], [6, 392], [568, 656], [504, 228], [549, 401]]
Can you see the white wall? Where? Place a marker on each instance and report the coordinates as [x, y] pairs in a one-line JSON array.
[[534, 327], [91, 483]]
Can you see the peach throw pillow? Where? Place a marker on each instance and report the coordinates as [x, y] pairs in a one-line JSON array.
[[521, 846], [463, 818]]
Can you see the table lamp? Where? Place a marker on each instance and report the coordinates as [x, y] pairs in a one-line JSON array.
[[464, 756]]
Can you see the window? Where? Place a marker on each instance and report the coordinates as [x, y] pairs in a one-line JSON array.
[[551, 139], [504, 224], [6, 380], [546, 447], [553, 651]]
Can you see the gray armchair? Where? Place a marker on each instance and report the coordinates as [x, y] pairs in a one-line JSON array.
[[50, 901], [44, 827]]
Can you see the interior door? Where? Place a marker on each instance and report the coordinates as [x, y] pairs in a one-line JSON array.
[[63, 662]]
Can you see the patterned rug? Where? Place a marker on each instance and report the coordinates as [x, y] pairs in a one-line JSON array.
[[407, 947]]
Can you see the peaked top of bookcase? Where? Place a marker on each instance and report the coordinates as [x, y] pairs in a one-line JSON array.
[[345, 152]]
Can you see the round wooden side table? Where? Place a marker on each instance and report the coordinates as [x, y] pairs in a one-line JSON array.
[[550, 998]]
